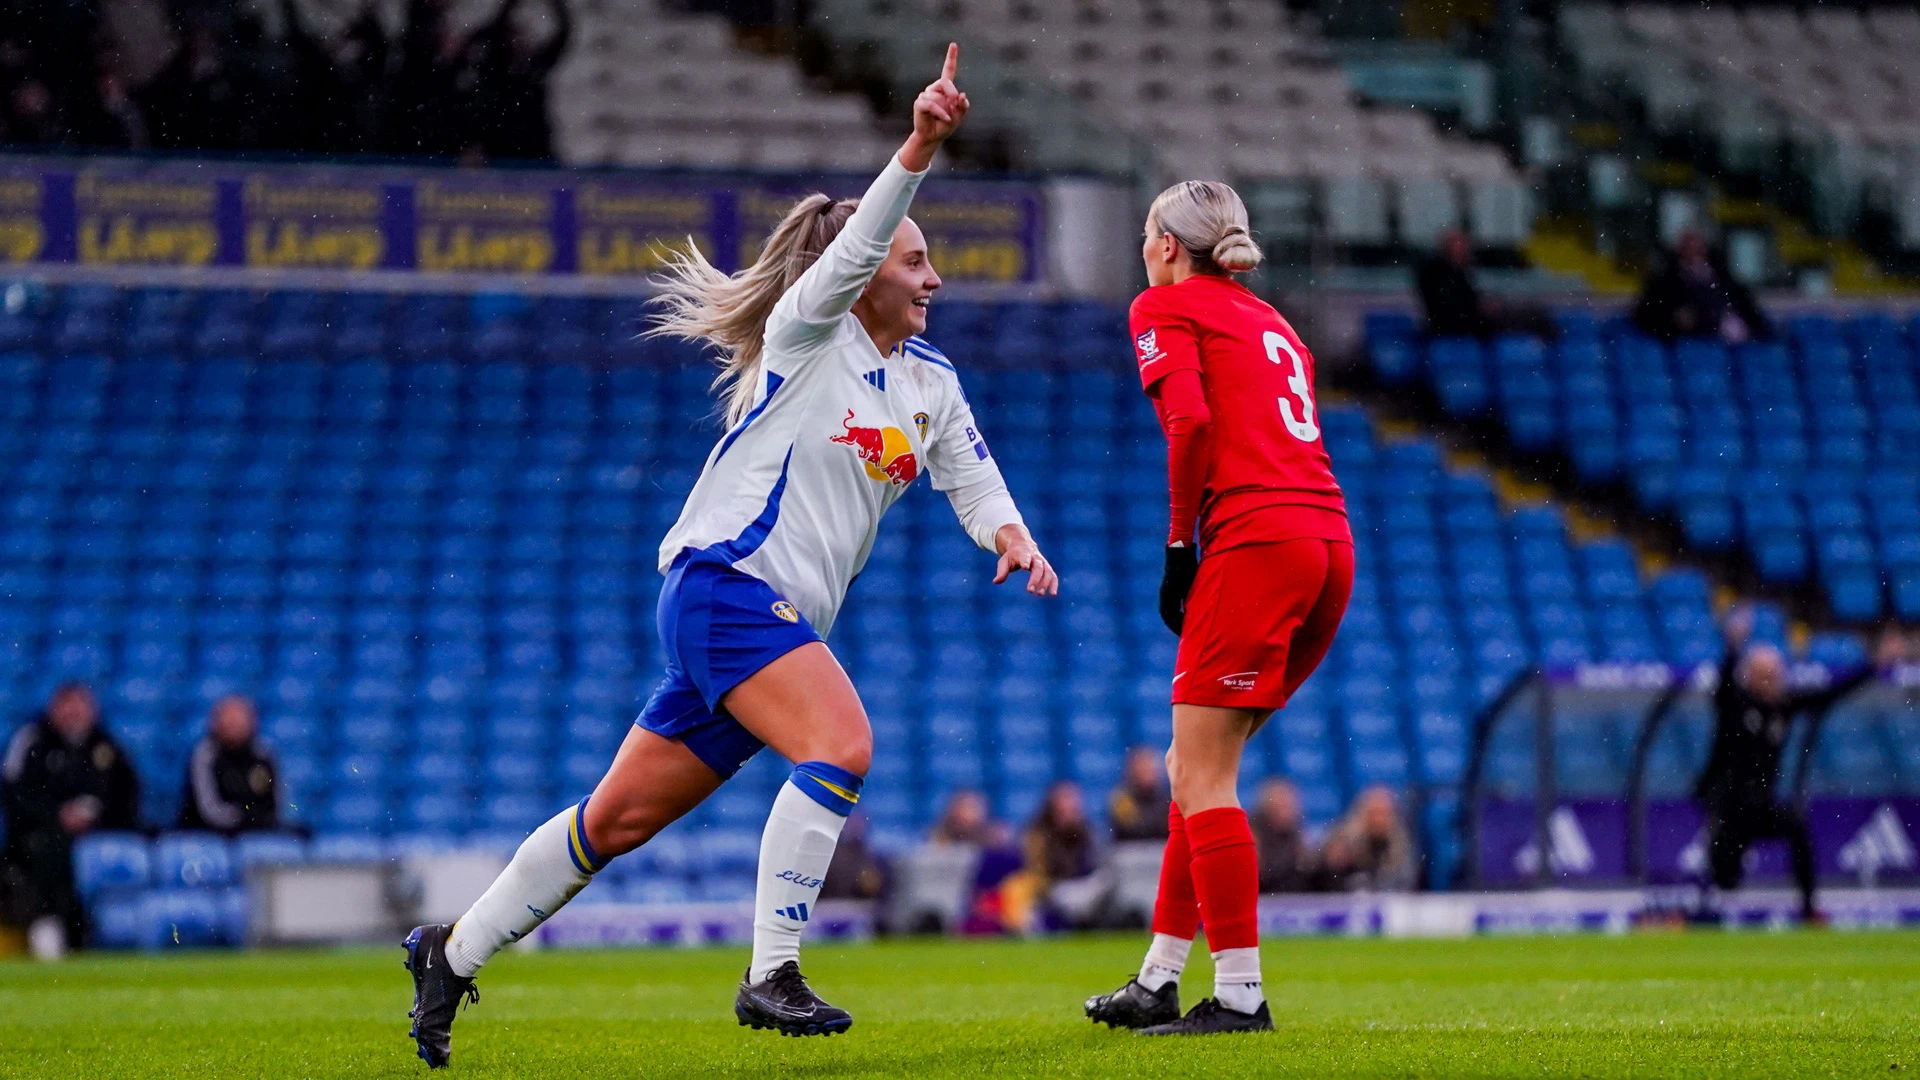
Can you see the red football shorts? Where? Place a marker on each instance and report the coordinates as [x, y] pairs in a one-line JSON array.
[[1260, 618]]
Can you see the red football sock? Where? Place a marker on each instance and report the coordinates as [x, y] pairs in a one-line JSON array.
[[1175, 911], [1226, 877]]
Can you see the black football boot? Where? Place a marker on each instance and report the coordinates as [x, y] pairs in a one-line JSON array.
[[785, 1002], [1135, 1006], [437, 993], [1212, 1018]]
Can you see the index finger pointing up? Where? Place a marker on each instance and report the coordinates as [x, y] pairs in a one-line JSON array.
[[952, 67]]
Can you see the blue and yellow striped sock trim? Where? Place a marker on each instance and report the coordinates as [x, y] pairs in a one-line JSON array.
[[829, 785], [578, 849]]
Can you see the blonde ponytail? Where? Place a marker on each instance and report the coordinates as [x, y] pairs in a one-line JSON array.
[[698, 302], [1210, 222]]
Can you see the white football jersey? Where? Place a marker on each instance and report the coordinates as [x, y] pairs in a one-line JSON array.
[[793, 494]]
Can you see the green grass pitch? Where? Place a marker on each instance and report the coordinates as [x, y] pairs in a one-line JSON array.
[[1694, 1004]]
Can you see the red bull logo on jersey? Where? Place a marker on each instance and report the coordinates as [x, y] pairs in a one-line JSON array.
[[885, 451]]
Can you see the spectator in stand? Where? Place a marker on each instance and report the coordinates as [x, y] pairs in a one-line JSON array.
[[1287, 863], [428, 103], [1452, 302], [63, 776], [109, 118], [511, 71], [856, 872], [1059, 880], [1694, 295], [335, 89], [232, 784], [1138, 807], [1370, 849], [196, 102], [966, 821]]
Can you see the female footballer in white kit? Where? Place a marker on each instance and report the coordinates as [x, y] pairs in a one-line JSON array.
[[835, 407]]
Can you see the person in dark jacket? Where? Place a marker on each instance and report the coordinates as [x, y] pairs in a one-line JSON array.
[[1287, 862], [512, 70], [1139, 807], [1753, 717], [1453, 304], [1694, 295], [63, 776], [231, 780]]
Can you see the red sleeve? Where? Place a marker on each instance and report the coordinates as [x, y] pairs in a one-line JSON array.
[[1163, 339], [1181, 402]]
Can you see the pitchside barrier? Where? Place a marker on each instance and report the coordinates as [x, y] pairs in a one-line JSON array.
[[1584, 778]]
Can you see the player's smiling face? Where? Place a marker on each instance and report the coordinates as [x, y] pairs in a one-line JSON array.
[[894, 307]]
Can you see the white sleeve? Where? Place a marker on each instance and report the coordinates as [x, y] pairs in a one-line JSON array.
[[961, 466], [836, 279], [214, 810]]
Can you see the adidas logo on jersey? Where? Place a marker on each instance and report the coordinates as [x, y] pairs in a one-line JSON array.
[[797, 912], [878, 377]]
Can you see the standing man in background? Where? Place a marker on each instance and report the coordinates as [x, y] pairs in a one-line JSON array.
[[1753, 717], [231, 780], [63, 776]]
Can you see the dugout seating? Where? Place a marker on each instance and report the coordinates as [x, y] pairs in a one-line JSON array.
[[1802, 455], [421, 531]]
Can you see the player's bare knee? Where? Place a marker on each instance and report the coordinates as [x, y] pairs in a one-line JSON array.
[[617, 826], [852, 752], [1199, 785]]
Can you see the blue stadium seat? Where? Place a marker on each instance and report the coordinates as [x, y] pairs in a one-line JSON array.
[[111, 861], [192, 861]]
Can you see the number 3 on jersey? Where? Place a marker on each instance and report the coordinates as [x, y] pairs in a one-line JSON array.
[[1301, 426]]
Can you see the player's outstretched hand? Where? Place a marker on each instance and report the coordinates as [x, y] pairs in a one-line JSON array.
[[937, 113], [1019, 552]]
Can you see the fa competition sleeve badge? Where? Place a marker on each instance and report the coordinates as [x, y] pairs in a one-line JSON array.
[[1147, 345]]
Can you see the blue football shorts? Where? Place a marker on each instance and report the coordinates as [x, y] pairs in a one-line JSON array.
[[718, 626]]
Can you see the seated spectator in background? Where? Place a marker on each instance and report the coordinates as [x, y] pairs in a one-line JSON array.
[[1370, 849], [232, 784], [1138, 807], [63, 776], [1287, 864], [1694, 295], [1452, 302], [511, 70], [1059, 882], [855, 873], [966, 821]]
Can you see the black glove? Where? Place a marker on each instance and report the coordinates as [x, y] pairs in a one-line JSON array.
[[1183, 565]]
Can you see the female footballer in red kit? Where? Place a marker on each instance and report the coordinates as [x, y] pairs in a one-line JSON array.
[[1233, 387]]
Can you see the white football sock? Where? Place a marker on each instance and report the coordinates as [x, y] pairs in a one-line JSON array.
[[795, 850], [1166, 959], [1236, 979], [551, 866]]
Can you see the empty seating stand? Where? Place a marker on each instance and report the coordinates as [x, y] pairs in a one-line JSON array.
[[1802, 454]]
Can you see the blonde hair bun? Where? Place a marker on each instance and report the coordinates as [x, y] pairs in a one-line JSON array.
[[1236, 253]]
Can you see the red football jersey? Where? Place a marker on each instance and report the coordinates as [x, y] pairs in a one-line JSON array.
[[1269, 479]]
